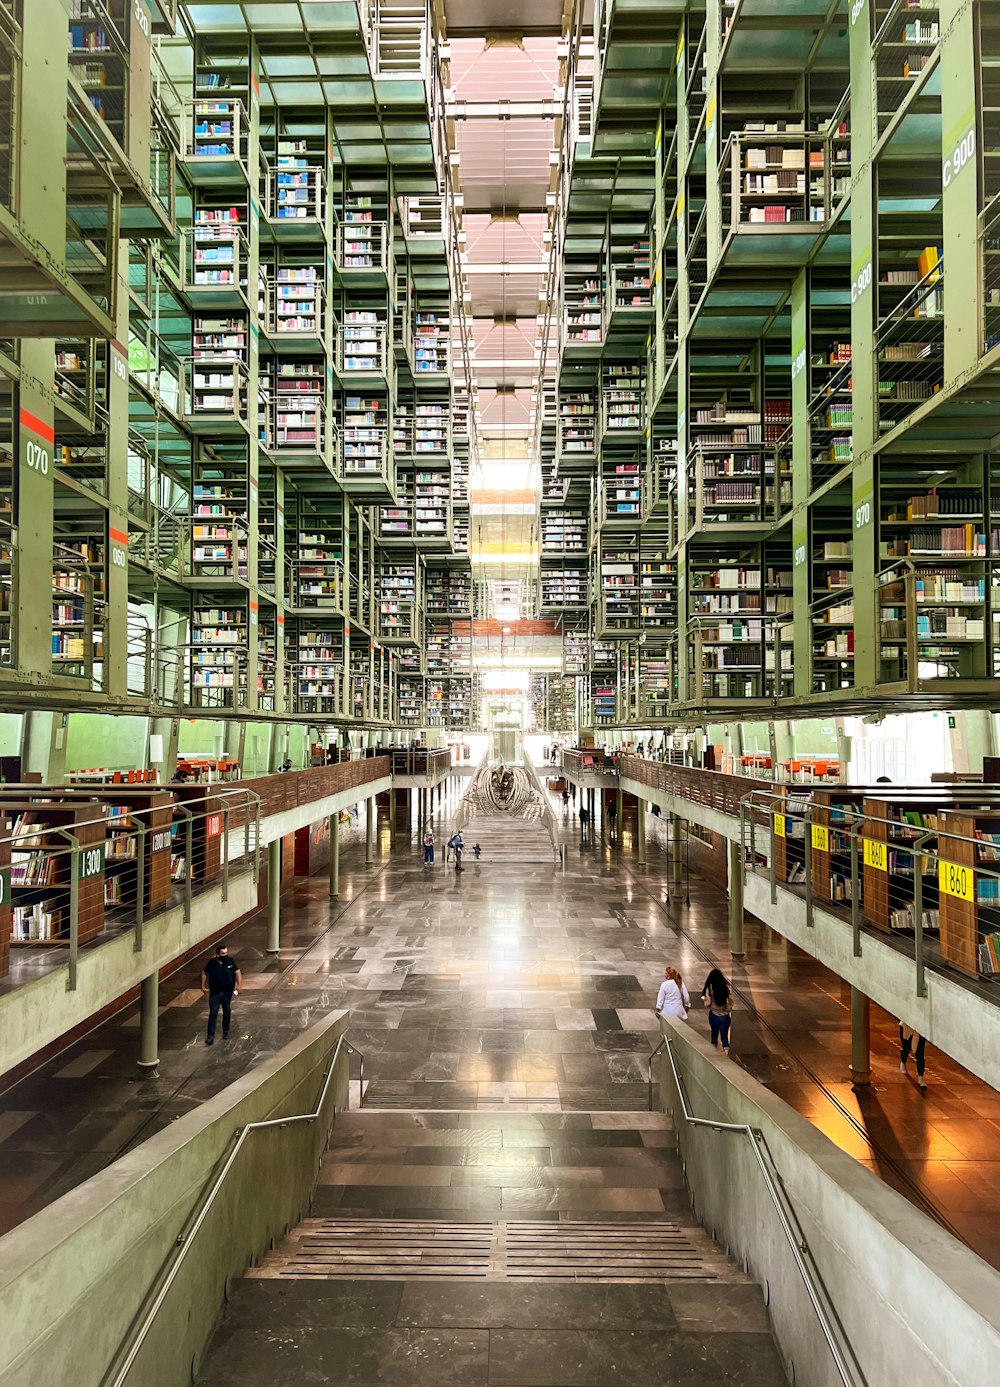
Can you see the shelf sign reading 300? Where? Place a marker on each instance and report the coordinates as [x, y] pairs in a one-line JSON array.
[[89, 863], [956, 881]]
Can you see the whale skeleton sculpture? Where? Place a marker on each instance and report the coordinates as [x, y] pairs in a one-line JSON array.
[[497, 788]]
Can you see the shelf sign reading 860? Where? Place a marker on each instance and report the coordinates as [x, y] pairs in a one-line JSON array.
[[957, 881]]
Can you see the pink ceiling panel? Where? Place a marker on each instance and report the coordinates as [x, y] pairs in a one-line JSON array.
[[502, 71], [514, 152], [506, 408], [490, 241]]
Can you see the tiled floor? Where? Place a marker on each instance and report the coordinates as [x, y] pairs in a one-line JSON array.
[[511, 986]]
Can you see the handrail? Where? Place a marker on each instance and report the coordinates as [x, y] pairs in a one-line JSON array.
[[649, 1068], [129, 1350], [833, 1331]]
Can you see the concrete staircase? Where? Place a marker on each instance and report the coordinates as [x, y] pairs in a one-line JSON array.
[[506, 839], [433, 1234]]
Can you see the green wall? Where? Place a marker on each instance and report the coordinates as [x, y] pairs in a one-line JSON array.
[[201, 736], [96, 739], [11, 726]]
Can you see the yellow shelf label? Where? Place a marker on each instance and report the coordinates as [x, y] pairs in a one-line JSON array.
[[821, 837], [779, 825], [876, 855], [956, 881]]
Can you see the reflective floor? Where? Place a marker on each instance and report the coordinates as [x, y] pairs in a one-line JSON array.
[[511, 986]]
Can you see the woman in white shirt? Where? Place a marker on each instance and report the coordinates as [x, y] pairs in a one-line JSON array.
[[672, 998]]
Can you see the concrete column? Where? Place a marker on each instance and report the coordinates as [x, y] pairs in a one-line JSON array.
[[334, 856], [592, 806], [392, 813], [149, 1021], [861, 1058], [676, 859], [620, 815], [369, 828], [641, 830], [274, 896], [736, 944]]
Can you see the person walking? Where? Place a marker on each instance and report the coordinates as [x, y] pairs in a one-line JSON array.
[[613, 817], [221, 980], [429, 845], [911, 1041], [717, 996], [457, 847], [672, 998], [584, 820]]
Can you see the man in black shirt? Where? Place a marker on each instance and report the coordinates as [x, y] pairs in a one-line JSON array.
[[222, 981]]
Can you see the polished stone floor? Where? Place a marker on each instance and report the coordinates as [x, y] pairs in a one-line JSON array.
[[507, 986]]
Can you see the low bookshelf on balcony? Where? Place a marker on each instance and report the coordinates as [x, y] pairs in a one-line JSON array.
[[43, 863]]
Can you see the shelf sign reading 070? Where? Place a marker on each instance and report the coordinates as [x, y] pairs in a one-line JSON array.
[[37, 445]]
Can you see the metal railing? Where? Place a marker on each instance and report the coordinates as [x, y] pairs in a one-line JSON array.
[[778, 182], [837, 1339], [905, 51], [363, 248], [989, 269], [214, 260], [363, 350], [215, 393], [10, 102], [128, 1352], [294, 192], [214, 129], [422, 218], [909, 348], [832, 622], [897, 867], [81, 872]]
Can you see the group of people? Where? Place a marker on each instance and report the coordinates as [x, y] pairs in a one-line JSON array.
[[455, 844], [673, 999]]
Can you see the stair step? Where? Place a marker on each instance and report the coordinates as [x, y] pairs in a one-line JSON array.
[[331, 1249]]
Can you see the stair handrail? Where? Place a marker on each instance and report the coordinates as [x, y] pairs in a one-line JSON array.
[[649, 1068], [128, 1350], [848, 1367]]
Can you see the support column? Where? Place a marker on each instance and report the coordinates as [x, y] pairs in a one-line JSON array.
[[274, 896], [592, 806], [369, 828], [676, 863], [619, 813], [641, 829], [736, 944], [392, 813], [861, 1057], [334, 856], [149, 1021]]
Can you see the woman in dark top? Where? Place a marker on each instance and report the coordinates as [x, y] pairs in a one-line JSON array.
[[718, 997]]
